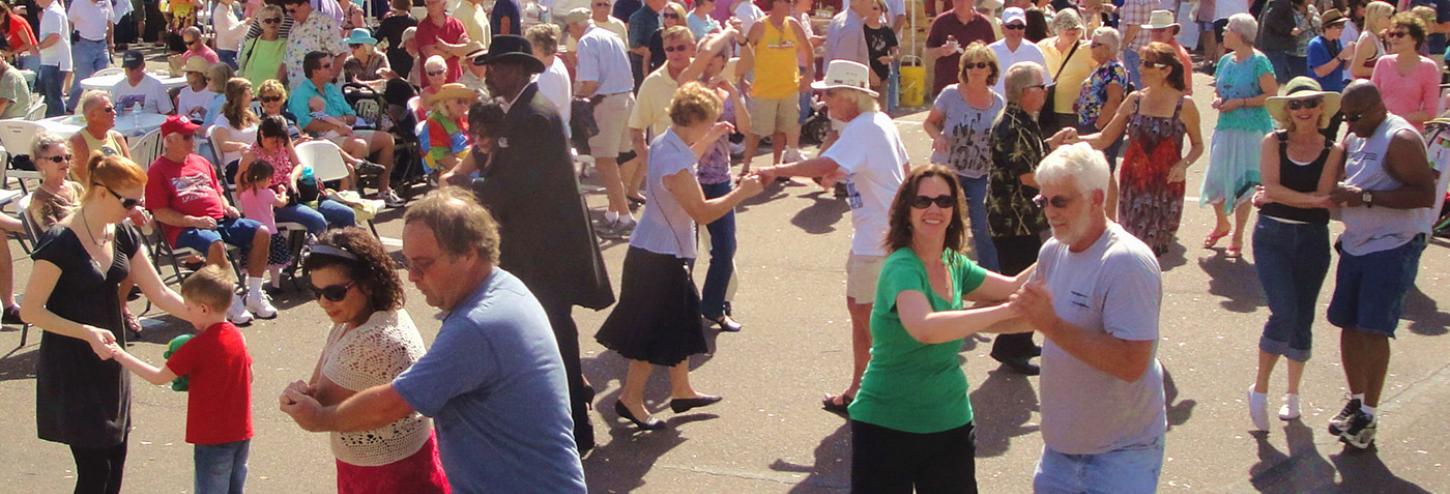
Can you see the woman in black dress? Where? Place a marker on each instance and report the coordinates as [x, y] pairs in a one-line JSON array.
[[83, 399]]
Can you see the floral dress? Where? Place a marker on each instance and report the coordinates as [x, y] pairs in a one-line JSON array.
[[1150, 207], [1094, 93]]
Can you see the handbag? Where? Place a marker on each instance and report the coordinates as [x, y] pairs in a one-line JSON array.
[[1047, 118]]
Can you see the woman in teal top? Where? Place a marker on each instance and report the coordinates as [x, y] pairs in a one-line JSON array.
[[911, 422], [1243, 82]]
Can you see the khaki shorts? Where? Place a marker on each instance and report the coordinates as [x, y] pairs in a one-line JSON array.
[[768, 116], [861, 274], [612, 116]]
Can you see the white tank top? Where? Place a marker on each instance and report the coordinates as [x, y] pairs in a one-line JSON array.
[[1369, 230]]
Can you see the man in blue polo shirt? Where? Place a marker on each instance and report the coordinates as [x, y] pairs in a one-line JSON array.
[[319, 70]]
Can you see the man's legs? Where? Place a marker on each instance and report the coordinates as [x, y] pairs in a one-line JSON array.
[[605, 146], [50, 79], [383, 144], [561, 319], [88, 57], [255, 241]]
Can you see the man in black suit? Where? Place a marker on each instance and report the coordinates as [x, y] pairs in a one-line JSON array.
[[546, 238]]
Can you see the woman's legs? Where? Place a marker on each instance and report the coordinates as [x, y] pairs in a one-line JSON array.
[[680, 387], [722, 257], [1241, 218], [632, 395], [296, 213], [99, 470]]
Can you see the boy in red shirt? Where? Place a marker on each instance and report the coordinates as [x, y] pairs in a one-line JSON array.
[[219, 408]]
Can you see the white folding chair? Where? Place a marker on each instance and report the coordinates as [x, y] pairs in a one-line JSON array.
[[16, 137], [145, 149], [32, 234], [325, 158]]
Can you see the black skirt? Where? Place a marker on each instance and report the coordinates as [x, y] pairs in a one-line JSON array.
[[658, 316]]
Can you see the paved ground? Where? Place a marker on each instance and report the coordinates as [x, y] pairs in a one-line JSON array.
[[769, 434]]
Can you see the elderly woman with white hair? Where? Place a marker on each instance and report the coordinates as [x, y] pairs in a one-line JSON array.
[[1016, 223], [1098, 99], [873, 160], [434, 67], [1068, 58], [1244, 81]]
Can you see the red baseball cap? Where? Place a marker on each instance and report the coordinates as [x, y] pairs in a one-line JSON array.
[[177, 123]]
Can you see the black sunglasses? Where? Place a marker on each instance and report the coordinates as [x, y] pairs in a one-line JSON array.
[[672, 49], [977, 65], [671, 16], [334, 293], [943, 201], [1308, 104], [1354, 117], [273, 20], [1058, 202], [126, 202], [271, 99], [1015, 27], [58, 158]]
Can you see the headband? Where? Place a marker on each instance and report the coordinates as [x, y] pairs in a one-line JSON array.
[[329, 250]]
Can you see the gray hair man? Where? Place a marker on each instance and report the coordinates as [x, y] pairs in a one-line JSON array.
[[1095, 299]]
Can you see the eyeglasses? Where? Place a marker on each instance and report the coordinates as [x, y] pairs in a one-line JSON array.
[[325, 66], [189, 41], [126, 202], [1057, 202], [334, 293], [274, 20], [1014, 27], [1354, 117], [1095, 44], [58, 158], [1039, 86], [672, 49], [943, 201], [977, 65], [420, 265], [1305, 104], [602, 4], [271, 99], [1396, 34], [355, 46], [436, 73], [1152, 65], [671, 16]]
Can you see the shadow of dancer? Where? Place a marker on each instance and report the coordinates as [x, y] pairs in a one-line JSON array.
[[1180, 412], [822, 215], [1301, 470], [831, 471], [1001, 407], [1234, 280], [1424, 314]]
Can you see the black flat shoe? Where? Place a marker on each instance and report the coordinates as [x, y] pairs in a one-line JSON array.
[[726, 324], [682, 405], [1021, 365], [837, 404], [1036, 351], [624, 413]]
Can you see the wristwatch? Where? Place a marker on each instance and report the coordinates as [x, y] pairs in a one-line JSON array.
[[1367, 198]]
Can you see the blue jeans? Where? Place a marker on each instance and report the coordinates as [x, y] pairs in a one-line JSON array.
[[89, 57], [976, 190], [221, 468], [28, 62], [237, 232], [1287, 66], [1130, 61], [1130, 470], [1369, 290], [1292, 260], [328, 213], [722, 256], [49, 82], [228, 57], [893, 87], [805, 107]]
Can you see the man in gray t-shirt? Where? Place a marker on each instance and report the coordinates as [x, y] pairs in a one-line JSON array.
[[1095, 297]]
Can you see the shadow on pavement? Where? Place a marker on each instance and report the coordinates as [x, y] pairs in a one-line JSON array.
[[1424, 314], [1235, 280], [1304, 470], [1002, 405], [822, 215], [832, 468], [1176, 256], [1181, 411], [19, 363]]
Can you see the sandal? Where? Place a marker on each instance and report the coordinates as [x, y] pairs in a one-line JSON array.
[[1234, 251], [1213, 238], [836, 403]]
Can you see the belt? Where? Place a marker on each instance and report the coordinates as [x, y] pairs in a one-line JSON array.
[[102, 40]]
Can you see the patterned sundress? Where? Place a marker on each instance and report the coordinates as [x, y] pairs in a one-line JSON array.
[[1149, 206]]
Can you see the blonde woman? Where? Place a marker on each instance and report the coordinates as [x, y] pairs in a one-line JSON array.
[[1370, 47], [960, 127]]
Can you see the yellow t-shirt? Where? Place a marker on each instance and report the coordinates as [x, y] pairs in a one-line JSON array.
[[474, 20], [777, 73], [1069, 81], [652, 104]]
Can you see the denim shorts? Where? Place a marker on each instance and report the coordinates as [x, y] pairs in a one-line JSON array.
[[1369, 291], [237, 232], [1130, 470]]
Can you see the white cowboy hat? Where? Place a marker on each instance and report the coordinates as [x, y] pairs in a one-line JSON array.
[[1160, 19], [846, 74]]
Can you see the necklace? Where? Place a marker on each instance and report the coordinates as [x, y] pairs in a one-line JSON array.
[[87, 223]]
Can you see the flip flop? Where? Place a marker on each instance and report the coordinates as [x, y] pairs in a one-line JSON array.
[[831, 403], [1213, 238], [1234, 251]]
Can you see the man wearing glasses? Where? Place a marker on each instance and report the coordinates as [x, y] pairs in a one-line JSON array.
[[321, 71], [196, 47], [310, 33], [1095, 298], [1011, 49]]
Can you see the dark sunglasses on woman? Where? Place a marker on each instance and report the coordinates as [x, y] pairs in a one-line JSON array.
[[922, 202], [334, 293]]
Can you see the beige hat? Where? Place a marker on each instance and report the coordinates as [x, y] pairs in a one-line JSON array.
[[846, 74], [1303, 88], [452, 90], [196, 64], [1160, 19], [577, 15]]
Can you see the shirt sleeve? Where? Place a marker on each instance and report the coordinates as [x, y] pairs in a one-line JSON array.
[[936, 35], [899, 274], [642, 115], [335, 101], [461, 360], [1132, 298], [587, 67], [1430, 88], [189, 356], [1317, 55], [297, 103], [162, 100], [157, 194], [846, 151], [970, 275]]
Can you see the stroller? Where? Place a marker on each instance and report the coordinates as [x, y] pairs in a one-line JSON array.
[[378, 109], [1437, 142]]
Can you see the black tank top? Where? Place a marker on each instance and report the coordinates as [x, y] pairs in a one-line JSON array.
[[1299, 178]]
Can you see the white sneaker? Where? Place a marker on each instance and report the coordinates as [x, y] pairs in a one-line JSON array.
[[238, 313], [392, 200], [260, 304], [1259, 410], [792, 155], [1290, 410]]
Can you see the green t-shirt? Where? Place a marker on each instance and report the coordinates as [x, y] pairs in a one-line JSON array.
[[263, 57], [12, 87], [910, 386]]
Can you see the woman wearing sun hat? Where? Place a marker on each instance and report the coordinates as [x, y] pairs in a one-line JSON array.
[[1291, 240], [364, 64], [447, 127]]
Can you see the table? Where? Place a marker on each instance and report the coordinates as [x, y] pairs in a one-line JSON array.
[[129, 124], [106, 82]]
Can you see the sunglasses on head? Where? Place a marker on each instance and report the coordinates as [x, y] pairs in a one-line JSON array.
[[334, 293], [58, 158], [976, 65], [126, 202], [943, 201], [1058, 202], [1308, 104]]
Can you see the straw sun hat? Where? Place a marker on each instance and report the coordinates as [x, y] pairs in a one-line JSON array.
[[1301, 88]]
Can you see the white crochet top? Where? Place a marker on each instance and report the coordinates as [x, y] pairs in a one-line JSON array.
[[369, 355]]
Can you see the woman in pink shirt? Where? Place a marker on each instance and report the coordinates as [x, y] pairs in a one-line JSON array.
[[1409, 82]]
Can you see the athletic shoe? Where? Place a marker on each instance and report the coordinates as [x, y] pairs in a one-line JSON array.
[[1259, 410], [238, 313], [367, 168], [792, 155], [1340, 422], [1360, 433], [391, 199], [1290, 410], [260, 304]]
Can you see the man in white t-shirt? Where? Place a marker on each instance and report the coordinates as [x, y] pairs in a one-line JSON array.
[[139, 88], [55, 56], [748, 13], [1095, 298], [1012, 48], [871, 158], [93, 21]]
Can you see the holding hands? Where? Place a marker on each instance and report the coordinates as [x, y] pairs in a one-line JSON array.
[[1067, 135], [1033, 302], [102, 342]]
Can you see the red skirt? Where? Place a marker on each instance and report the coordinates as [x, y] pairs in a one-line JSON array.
[[421, 473]]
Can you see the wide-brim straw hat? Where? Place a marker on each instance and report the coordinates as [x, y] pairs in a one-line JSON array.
[[1303, 88], [846, 74], [1160, 19], [196, 64], [450, 91]]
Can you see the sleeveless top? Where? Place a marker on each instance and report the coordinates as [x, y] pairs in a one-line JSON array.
[[777, 74], [108, 146], [1299, 178], [281, 162], [1379, 49], [1368, 230], [1149, 130]]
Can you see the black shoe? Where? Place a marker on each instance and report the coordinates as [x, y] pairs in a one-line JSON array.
[[12, 315], [134, 294], [1361, 430], [725, 323], [1339, 423], [1036, 351], [683, 405], [1021, 365], [624, 413]]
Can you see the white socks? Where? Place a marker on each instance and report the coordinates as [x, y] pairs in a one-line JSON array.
[[254, 287]]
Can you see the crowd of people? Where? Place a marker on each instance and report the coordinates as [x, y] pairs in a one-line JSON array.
[[1056, 179]]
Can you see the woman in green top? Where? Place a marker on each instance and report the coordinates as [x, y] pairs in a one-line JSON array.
[[911, 422], [261, 57]]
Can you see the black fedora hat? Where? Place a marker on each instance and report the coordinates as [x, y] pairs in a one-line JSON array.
[[510, 48]]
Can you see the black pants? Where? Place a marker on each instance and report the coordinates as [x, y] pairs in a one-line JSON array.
[[561, 319], [888, 461], [1015, 254], [98, 470]]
